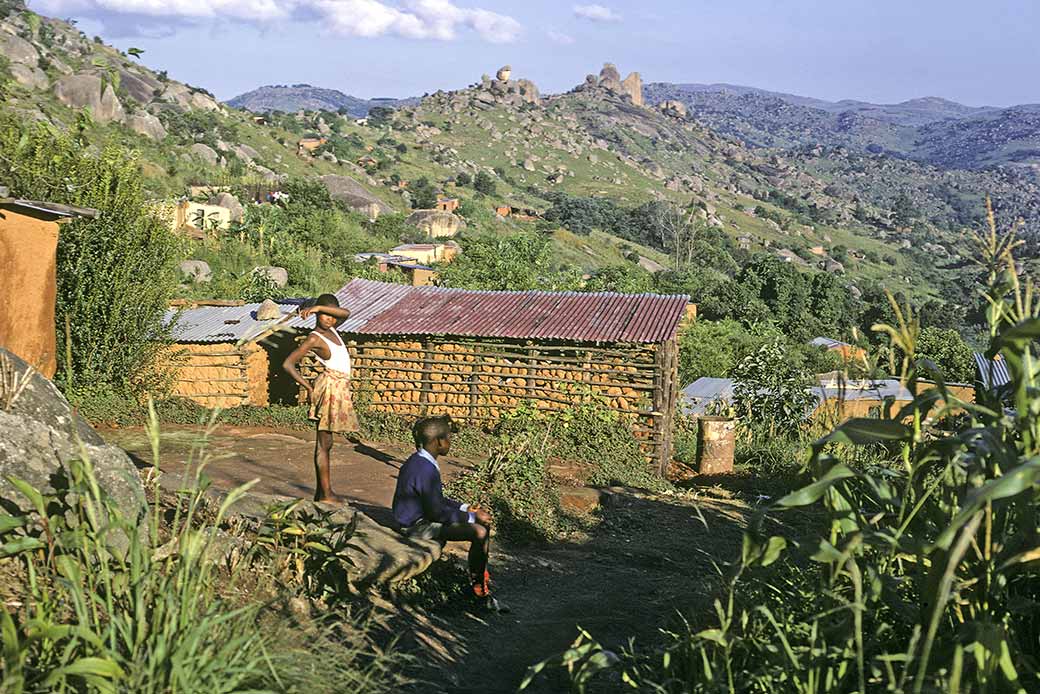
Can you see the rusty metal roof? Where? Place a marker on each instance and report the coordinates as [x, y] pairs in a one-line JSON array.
[[379, 308]]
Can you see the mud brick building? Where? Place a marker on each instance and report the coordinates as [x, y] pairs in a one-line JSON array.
[[476, 355]]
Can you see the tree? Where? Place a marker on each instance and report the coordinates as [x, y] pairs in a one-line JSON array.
[[380, 115], [948, 351], [516, 262], [772, 391], [903, 210], [135, 52], [624, 279], [463, 178], [424, 197], [116, 273], [484, 183], [713, 348]]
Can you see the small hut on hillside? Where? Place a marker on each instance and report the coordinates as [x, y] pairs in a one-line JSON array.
[[477, 355]]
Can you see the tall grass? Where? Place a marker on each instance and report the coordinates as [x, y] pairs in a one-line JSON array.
[[921, 577], [143, 601]]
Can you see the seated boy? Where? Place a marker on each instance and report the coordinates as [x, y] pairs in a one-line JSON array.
[[422, 510]]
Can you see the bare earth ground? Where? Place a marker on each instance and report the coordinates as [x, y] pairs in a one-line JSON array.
[[648, 558]]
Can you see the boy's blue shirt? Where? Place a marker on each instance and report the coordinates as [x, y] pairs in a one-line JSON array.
[[419, 495]]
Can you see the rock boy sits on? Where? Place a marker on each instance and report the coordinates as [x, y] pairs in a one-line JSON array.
[[332, 407], [422, 510]]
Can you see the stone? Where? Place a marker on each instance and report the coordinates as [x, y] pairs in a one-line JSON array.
[[610, 74], [18, 50], [40, 434], [31, 77], [528, 92], [268, 310], [203, 102], [435, 223], [140, 88], [246, 153], [229, 202], [110, 109], [146, 124], [279, 276], [529, 164], [198, 271], [579, 500], [673, 108], [503, 73], [84, 90], [633, 86], [354, 195], [204, 152]]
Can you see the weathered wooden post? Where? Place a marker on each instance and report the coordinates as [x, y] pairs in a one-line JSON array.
[[716, 441]]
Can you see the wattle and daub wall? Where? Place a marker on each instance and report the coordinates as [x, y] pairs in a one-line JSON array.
[[479, 380]]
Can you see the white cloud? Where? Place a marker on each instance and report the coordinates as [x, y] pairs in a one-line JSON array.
[[596, 13], [560, 37], [413, 19]]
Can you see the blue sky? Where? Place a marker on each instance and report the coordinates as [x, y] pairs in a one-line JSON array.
[[875, 50]]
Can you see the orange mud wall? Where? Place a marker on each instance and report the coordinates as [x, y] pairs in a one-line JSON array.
[[28, 287], [221, 375], [480, 381]]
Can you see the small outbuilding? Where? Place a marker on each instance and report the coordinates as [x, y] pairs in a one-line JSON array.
[[476, 355], [28, 277]]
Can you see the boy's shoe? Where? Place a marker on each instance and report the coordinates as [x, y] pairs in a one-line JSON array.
[[481, 585]]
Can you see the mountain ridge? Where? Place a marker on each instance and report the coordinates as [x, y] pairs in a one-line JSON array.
[[292, 98]]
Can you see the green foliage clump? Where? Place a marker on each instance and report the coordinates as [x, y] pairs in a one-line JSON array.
[[424, 195], [115, 272], [948, 351], [624, 279], [771, 391], [484, 183], [516, 262]]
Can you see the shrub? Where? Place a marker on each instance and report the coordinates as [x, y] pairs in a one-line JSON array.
[[115, 273], [772, 391], [484, 183]]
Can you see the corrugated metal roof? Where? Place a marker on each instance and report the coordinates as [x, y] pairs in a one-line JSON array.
[[827, 342], [222, 323], [594, 317], [695, 398], [52, 208], [992, 373], [362, 301]]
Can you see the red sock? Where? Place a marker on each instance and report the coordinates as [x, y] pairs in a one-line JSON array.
[[481, 584]]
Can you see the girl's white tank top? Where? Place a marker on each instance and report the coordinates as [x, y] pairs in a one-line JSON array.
[[339, 356]]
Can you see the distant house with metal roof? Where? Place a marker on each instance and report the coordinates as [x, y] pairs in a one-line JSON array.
[[836, 398], [991, 373], [848, 352], [28, 276]]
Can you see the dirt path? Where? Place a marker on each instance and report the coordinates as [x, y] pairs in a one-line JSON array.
[[648, 556]]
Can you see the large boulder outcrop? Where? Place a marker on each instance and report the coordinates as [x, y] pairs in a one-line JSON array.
[[18, 50], [84, 90], [229, 202], [610, 79], [435, 223], [279, 276], [31, 77], [197, 271], [354, 195], [40, 433], [205, 153], [140, 87], [147, 124], [504, 73], [633, 86]]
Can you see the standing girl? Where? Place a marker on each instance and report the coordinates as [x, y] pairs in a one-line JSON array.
[[331, 405]]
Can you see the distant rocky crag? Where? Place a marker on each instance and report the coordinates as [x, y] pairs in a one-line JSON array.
[[304, 97]]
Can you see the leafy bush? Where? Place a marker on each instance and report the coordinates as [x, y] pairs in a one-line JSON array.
[[484, 183], [116, 273], [771, 391], [516, 262]]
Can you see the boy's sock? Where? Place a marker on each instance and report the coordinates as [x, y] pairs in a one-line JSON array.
[[481, 584]]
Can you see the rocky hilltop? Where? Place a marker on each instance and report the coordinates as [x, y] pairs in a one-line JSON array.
[[297, 97], [930, 130]]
